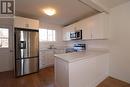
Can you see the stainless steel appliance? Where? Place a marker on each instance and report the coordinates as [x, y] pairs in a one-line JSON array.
[[77, 35], [76, 48], [26, 51], [80, 47]]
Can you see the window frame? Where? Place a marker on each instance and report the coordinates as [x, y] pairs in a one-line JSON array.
[[52, 30], [6, 37]]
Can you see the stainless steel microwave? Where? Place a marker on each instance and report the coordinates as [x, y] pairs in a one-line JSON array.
[[77, 35]]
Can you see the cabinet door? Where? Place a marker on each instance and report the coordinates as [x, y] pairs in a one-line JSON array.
[[77, 26], [46, 58], [86, 29], [66, 32], [42, 59], [99, 26], [50, 57], [87, 33], [95, 27], [20, 22], [33, 24]]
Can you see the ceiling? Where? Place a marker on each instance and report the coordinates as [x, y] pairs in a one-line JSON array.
[[111, 3], [68, 11]]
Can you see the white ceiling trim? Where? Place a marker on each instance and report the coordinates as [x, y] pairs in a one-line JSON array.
[[95, 5]]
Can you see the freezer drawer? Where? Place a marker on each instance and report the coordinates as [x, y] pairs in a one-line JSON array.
[[26, 66]]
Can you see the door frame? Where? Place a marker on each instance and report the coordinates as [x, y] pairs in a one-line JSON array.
[[10, 44]]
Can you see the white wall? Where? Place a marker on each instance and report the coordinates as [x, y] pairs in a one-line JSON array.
[[120, 42], [59, 43], [98, 44], [6, 21]]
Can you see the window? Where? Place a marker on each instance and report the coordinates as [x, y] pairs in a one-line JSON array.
[[4, 37], [47, 35]]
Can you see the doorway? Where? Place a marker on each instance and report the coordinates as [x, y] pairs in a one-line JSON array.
[[6, 48]]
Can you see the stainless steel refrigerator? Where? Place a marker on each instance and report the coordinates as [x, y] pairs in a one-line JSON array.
[[26, 51]]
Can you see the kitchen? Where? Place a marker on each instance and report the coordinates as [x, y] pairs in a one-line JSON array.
[[97, 34]]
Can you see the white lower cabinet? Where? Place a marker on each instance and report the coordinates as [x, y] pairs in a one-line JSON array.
[[47, 57]]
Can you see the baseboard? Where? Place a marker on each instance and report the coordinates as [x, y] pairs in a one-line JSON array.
[[47, 66], [56, 85], [99, 80]]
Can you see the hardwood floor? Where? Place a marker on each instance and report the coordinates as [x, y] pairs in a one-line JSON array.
[[45, 78], [111, 82]]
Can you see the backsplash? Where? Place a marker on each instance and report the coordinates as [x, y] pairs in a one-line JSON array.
[[70, 44], [89, 43], [58, 45], [98, 44]]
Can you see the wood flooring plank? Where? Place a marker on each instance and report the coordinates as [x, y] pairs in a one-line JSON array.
[[111, 82], [45, 78]]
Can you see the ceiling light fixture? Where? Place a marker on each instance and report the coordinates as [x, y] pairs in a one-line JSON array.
[[49, 11]]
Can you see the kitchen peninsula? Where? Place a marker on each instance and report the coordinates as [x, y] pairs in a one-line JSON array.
[[81, 69]]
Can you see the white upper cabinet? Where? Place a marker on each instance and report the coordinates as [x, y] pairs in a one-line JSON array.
[[21, 22], [33, 24], [98, 25], [94, 27], [86, 31], [66, 32]]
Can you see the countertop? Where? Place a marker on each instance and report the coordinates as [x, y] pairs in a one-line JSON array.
[[47, 49], [76, 56]]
